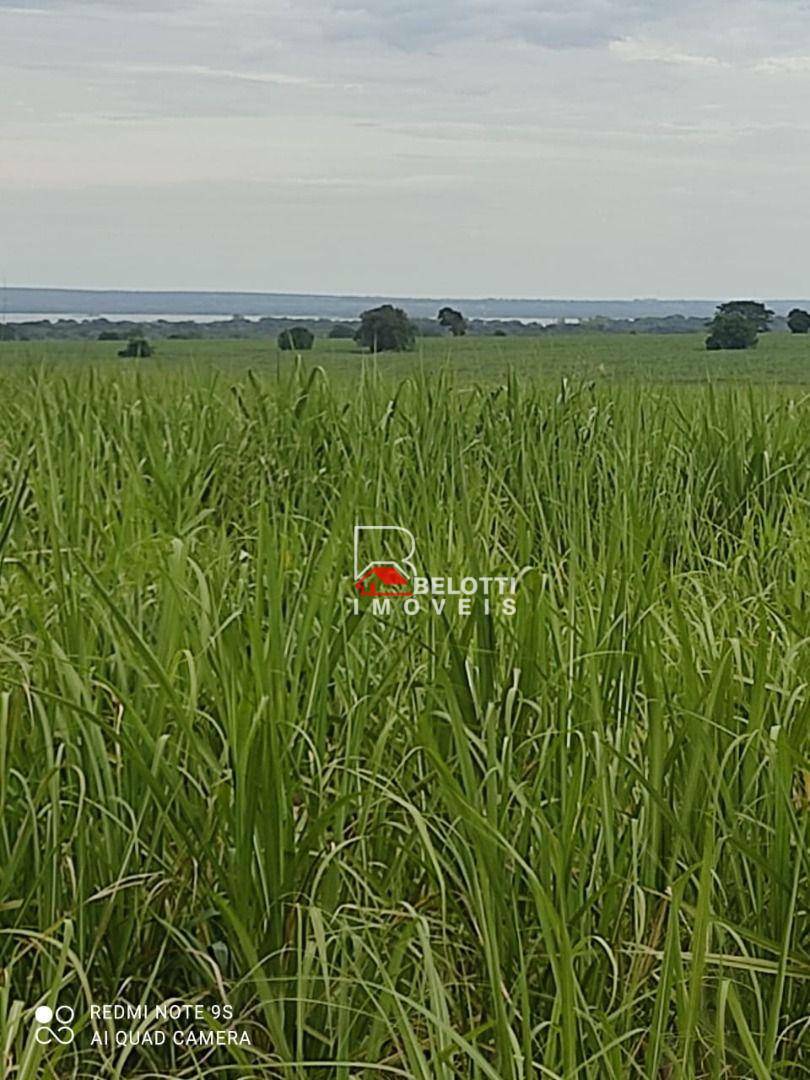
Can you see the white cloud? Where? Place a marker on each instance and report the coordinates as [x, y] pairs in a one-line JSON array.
[[272, 78], [780, 65], [655, 52]]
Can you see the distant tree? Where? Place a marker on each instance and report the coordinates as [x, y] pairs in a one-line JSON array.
[[798, 321], [296, 338], [137, 348], [752, 310], [7, 333], [453, 321], [499, 333], [731, 330], [341, 331], [111, 335], [386, 328]]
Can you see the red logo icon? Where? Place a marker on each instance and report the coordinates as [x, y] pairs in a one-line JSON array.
[[384, 579]]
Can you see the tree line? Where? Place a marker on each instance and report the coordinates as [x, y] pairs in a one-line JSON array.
[[737, 324]]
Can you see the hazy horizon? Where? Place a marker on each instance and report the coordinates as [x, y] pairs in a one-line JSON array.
[[154, 304], [6, 288]]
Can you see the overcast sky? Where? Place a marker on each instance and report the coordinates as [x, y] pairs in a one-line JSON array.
[[513, 148]]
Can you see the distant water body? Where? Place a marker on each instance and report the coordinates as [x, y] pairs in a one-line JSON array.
[[148, 305], [23, 317], [26, 316]]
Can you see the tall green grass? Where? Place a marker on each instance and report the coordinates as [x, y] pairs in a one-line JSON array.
[[569, 843]]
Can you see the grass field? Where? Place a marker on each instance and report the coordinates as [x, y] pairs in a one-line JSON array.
[[779, 358], [570, 842]]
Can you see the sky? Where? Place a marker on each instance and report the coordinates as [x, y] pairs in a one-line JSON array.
[[556, 148]]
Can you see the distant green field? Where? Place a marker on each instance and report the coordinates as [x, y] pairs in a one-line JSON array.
[[778, 358], [570, 842]]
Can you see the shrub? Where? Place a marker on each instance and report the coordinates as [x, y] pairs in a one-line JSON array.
[[386, 328], [137, 348], [453, 321], [297, 338], [798, 321], [731, 330]]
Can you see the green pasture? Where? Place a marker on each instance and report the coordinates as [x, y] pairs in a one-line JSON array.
[[779, 357]]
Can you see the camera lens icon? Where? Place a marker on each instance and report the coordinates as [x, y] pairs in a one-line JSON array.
[[55, 1025]]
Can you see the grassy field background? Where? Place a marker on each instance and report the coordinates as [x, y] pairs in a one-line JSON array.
[[779, 358], [569, 843]]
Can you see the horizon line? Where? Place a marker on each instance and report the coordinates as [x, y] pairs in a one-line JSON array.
[[112, 290]]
